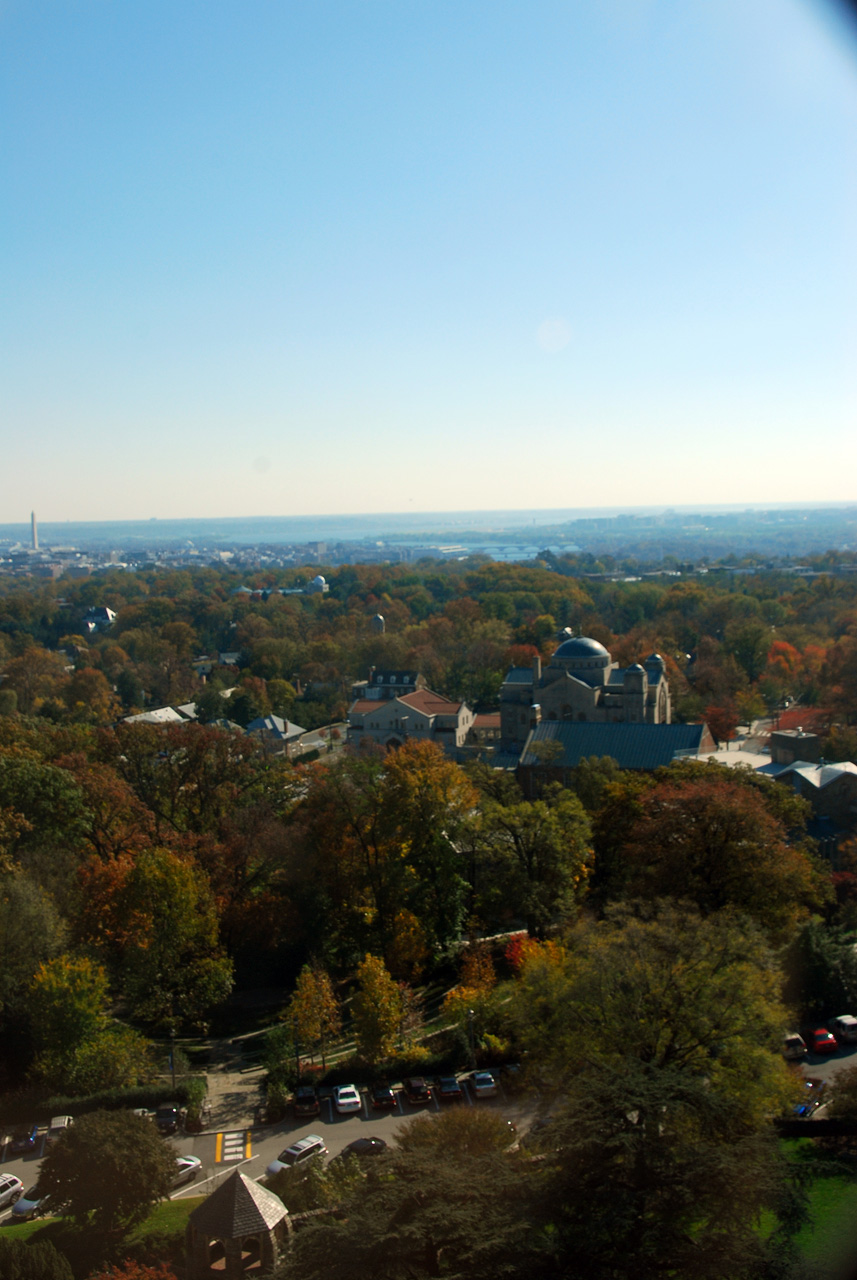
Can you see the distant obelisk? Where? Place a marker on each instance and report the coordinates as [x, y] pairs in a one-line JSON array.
[[34, 529]]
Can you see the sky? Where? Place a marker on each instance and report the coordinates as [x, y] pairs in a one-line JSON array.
[[265, 257]]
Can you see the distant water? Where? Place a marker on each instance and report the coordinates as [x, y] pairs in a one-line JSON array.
[[277, 529], [445, 526]]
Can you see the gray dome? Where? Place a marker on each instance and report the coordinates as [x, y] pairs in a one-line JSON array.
[[636, 667], [583, 648], [655, 660]]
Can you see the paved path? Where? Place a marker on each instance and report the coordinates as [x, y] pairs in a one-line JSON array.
[[234, 1090]]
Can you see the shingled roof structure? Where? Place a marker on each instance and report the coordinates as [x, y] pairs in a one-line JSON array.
[[240, 1227], [239, 1207]]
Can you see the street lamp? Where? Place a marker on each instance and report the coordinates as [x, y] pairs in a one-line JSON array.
[[471, 1014]]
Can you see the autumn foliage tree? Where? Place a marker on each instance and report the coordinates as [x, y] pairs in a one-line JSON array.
[[376, 1011], [718, 846], [313, 1014]]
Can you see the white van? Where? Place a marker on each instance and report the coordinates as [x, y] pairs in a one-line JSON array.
[[307, 1149], [844, 1028]]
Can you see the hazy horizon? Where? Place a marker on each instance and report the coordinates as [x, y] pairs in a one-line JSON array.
[[335, 527], [386, 259]]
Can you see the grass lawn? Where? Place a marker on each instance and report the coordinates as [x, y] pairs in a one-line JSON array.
[[829, 1239], [159, 1238]]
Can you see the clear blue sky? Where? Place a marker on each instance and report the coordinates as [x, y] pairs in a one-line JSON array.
[[278, 258]]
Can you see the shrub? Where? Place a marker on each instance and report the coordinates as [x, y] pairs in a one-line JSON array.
[[38, 1261]]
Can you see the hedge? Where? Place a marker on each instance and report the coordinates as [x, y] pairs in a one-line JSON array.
[[25, 1108]]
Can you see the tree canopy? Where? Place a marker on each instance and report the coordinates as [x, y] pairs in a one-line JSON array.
[[107, 1170]]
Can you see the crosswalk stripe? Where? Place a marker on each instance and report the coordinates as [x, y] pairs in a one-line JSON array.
[[232, 1146]]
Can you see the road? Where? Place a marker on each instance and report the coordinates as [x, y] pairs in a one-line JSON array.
[[827, 1066], [252, 1150]]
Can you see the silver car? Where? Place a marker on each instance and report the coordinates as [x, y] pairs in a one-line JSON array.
[[29, 1205], [10, 1189]]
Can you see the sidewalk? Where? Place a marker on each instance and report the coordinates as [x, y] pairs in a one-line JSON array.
[[234, 1092]]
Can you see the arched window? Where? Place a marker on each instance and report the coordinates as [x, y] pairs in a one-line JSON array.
[[216, 1256], [251, 1253]]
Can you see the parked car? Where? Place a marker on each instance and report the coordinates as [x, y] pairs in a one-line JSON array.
[[821, 1041], [383, 1098], [346, 1097], [29, 1205], [11, 1189], [167, 1117], [794, 1047], [57, 1128], [306, 1101], [363, 1147], [844, 1028], [187, 1169], [812, 1098], [24, 1139], [448, 1089], [299, 1153], [483, 1084], [416, 1090]]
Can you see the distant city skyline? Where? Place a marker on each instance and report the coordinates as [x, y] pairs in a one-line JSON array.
[[283, 260]]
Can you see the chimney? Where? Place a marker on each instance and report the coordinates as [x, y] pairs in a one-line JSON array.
[[34, 530], [537, 671]]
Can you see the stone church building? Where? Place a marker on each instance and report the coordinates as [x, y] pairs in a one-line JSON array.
[[582, 683]]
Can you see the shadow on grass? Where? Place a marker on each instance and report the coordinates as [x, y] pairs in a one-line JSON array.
[[159, 1239]]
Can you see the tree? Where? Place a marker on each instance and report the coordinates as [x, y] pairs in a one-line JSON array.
[[535, 855], [35, 675], [312, 1014], [448, 1201], [427, 798], [650, 1176], [107, 1171], [376, 1010], [33, 1260], [172, 966], [589, 780], [843, 1101], [722, 721], [712, 840], [658, 1032], [49, 799], [821, 970], [662, 984], [32, 932], [89, 697], [78, 1049], [67, 1001]]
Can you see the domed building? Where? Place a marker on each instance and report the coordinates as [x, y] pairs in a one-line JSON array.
[[582, 683]]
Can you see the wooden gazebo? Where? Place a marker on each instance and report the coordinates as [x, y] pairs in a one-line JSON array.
[[240, 1229]]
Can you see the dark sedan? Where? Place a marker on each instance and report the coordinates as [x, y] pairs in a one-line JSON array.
[[168, 1117], [363, 1147], [24, 1139], [306, 1101], [448, 1089], [383, 1098], [416, 1090]]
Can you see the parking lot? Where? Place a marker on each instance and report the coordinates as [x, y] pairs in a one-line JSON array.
[[253, 1148]]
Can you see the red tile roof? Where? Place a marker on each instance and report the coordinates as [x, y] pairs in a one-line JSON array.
[[363, 706], [487, 720], [430, 703]]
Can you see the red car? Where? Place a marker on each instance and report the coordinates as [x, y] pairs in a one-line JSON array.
[[821, 1041]]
